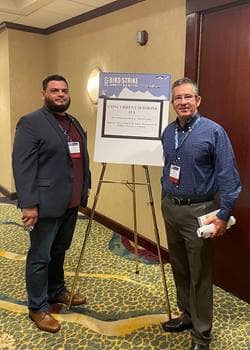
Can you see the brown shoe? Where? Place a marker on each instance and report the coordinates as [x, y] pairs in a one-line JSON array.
[[64, 298], [45, 321]]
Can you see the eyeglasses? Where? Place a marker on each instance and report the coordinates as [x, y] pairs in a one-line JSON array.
[[179, 98]]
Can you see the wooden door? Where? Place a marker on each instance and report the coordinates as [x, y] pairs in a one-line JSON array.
[[223, 74]]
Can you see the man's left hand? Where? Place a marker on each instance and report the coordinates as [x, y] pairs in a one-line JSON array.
[[220, 225]]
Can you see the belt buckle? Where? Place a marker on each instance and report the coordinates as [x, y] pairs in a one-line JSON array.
[[177, 200]]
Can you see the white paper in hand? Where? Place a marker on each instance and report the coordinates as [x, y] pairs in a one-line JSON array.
[[205, 231]]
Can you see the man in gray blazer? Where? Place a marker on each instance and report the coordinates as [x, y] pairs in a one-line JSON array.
[[52, 177]]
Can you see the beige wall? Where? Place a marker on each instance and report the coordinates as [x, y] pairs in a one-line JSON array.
[[107, 42], [23, 64], [27, 68], [5, 121]]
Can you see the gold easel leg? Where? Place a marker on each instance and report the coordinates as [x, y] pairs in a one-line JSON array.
[[135, 221], [158, 242], [87, 234]]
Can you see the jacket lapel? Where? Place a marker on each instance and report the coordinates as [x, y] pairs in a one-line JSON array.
[[78, 127]]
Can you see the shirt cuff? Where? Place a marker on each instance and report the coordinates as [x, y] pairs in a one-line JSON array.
[[223, 214]]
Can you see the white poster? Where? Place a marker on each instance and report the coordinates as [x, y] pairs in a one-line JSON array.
[[132, 113]]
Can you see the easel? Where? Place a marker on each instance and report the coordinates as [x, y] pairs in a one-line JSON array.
[[131, 185]]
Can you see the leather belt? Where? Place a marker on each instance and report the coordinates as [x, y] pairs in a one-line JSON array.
[[188, 200]]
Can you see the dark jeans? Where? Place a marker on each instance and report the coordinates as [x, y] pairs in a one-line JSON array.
[[49, 240], [190, 257]]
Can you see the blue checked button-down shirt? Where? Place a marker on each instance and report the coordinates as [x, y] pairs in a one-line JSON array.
[[206, 160]]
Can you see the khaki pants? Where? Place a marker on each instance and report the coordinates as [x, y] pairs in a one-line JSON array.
[[190, 257]]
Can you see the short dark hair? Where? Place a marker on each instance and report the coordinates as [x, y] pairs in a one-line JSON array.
[[52, 77], [186, 80]]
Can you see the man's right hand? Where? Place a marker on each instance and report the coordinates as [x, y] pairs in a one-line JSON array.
[[29, 216], [219, 225]]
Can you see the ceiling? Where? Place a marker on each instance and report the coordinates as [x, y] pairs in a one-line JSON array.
[[45, 13]]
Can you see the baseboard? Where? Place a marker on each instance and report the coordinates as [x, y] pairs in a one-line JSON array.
[[11, 195], [127, 232]]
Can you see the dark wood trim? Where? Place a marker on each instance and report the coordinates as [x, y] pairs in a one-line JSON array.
[[22, 28], [100, 11], [198, 5], [127, 232], [192, 45], [11, 195]]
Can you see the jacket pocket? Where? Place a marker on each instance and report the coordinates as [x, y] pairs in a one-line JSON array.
[[44, 182]]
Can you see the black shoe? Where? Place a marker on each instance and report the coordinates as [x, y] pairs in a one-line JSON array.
[[176, 325], [196, 346]]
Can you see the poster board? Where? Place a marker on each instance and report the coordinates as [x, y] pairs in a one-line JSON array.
[[131, 115]]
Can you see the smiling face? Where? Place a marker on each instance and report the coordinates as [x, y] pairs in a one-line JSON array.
[[56, 96], [185, 101]]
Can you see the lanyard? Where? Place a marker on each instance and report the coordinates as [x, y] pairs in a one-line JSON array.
[[178, 146], [65, 132]]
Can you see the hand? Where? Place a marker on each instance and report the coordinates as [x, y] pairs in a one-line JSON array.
[[29, 216], [219, 225]]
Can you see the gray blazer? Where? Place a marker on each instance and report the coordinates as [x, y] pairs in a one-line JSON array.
[[42, 166]]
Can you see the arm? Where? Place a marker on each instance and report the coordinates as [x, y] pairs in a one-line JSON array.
[[25, 164], [228, 181]]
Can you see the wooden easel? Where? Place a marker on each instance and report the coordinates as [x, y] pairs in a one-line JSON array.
[[131, 185]]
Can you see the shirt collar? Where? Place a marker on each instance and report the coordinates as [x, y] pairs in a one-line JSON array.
[[60, 117], [189, 124]]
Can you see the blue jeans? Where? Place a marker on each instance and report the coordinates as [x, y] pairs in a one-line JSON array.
[[49, 240]]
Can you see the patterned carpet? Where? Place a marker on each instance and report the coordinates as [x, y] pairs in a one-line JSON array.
[[123, 311]]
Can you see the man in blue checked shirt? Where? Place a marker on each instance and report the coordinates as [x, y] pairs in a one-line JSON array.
[[199, 165]]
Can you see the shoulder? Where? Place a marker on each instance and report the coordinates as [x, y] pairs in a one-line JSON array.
[[168, 129], [37, 121], [170, 126], [34, 115], [213, 131], [211, 124]]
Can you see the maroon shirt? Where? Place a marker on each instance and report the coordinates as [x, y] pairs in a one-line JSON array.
[[72, 134]]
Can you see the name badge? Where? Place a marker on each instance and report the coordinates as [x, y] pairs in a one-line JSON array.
[[174, 174], [74, 149]]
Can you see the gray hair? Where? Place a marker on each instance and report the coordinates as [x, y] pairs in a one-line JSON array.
[[186, 80]]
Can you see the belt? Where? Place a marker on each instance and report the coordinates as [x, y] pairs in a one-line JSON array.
[[188, 200]]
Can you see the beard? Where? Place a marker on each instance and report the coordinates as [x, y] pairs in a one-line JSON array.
[[53, 107]]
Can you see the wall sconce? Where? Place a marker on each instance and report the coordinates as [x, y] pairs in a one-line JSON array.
[[93, 85], [142, 37]]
